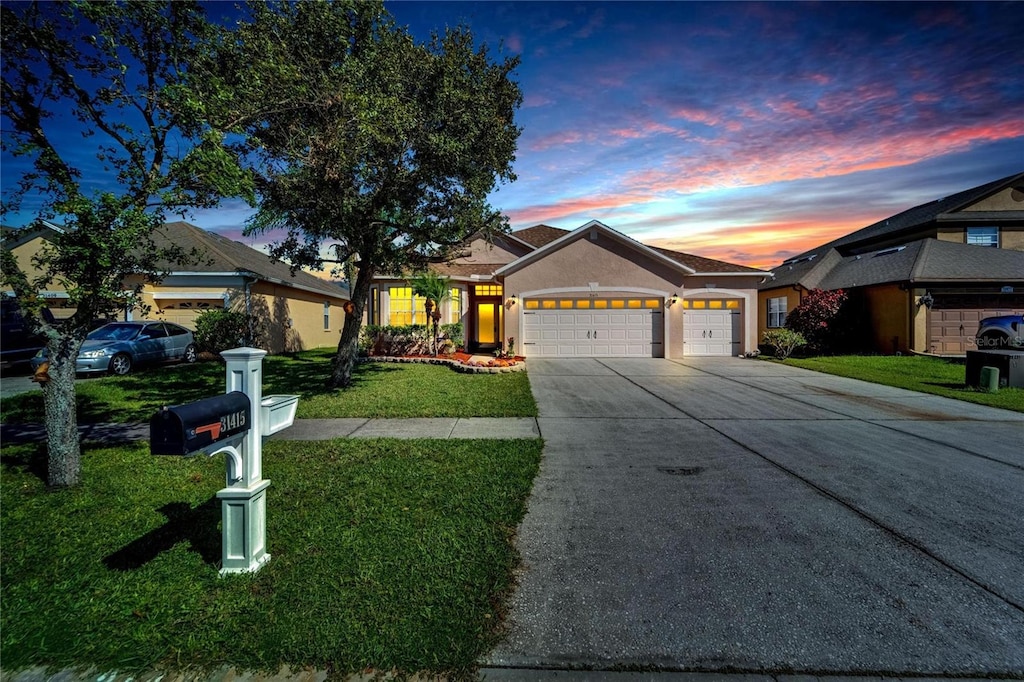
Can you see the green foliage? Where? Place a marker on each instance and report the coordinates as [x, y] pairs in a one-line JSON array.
[[817, 319], [924, 374], [435, 290], [220, 330], [378, 390], [453, 332], [782, 342], [118, 69], [407, 569], [363, 139]]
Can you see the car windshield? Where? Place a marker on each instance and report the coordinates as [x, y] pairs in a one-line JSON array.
[[115, 332]]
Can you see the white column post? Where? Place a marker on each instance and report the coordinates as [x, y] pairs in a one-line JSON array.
[[244, 500]]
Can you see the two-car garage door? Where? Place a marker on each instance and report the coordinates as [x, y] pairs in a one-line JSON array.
[[593, 328]]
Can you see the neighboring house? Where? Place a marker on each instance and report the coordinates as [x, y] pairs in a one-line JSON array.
[[590, 292], [291, 311], [922, 279]]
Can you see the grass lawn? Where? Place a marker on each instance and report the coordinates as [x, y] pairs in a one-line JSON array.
[[386, 554], [378, 390], [917, 373]]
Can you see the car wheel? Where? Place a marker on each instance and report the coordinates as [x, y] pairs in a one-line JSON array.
[[121, 364], [993, 341], [190, 353]]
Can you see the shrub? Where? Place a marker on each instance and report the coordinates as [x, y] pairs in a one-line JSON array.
[[410, 339], [816, 318], [453, 332], [782, 342], [219, 330]]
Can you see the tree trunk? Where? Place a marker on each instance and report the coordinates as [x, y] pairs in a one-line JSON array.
[[64, 467], [348, 346]]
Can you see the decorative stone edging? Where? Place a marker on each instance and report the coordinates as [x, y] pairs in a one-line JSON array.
[[453, 364]]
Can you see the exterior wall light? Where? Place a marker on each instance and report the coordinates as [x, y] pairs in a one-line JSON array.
[[672, 301], [511, 301]]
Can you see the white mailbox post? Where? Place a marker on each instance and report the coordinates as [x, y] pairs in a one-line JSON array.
[[244, 497]]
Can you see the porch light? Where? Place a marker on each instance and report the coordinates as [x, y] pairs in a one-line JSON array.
[[672, 301], [511, 301], [926, 300]]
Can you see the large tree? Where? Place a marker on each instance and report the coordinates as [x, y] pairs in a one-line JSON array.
[[368, 145], [93, 99]]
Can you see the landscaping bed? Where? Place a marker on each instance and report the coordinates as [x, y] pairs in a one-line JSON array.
[[460, 362]]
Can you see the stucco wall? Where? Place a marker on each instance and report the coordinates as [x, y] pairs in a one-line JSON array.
[[604, 267], [290, 320], [889, 314], [500, 251], [1009, 199], [792, 301], [1012, 238]]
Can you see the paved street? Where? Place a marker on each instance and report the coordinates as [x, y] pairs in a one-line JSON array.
[[732, 515]]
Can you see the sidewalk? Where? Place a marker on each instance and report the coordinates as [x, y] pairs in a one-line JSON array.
[[315, 429]]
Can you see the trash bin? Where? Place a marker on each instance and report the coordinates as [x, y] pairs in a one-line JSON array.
[[989, 379]]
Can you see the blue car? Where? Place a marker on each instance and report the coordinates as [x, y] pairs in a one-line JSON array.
[[1000, 333], [119, 346]]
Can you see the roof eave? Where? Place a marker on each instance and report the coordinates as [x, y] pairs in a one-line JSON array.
[[552, 246]]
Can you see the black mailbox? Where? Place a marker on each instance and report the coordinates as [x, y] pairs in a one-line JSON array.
[[186, 429]]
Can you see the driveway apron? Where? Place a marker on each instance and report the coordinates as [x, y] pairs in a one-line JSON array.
[[729, 515]]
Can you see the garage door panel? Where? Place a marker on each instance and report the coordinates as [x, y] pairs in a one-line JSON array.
[[954, 318], [711, 332], [593, 333]]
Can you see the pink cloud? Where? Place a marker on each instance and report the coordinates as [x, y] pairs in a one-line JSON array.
[[695, 115], [515, 43], [562, 137], [534, 100]]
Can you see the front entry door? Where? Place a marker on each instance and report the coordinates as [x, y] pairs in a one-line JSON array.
[[488, 325]]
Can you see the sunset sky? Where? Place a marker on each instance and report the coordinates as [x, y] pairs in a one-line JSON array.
[[743, 132]]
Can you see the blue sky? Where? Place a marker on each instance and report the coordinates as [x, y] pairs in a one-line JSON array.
[[746, 132]]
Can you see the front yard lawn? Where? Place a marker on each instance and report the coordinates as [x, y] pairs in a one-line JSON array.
[[917, 373], [386, 554], [379, 390]]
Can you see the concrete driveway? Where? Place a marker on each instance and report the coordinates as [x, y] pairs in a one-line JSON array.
[[738, 515]]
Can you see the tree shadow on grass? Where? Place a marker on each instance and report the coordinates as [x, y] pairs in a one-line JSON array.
[[195, 525], [307, 376], [30, 458]]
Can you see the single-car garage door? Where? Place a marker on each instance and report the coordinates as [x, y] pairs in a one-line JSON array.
[[593, 327], [711, 327]]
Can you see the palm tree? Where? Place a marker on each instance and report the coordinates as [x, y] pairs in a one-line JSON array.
[[435, 290]]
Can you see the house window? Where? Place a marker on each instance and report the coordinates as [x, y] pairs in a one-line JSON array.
[[983, 236], [455, 306], [327, 316], [488, 289], [777, 312], [405, 307]]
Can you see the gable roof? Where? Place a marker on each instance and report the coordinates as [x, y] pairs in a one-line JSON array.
[[569, 237], [921, 215], [225, 255], [542, 235], [539, 235]]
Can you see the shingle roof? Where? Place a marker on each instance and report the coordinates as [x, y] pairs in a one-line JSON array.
[[920, 215], [701, 264], [540, 235], [926, 260], [224, 255]]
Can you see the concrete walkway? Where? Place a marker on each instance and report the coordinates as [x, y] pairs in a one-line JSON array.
[[315, 429]]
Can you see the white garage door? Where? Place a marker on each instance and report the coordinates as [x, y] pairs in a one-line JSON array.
[[593, 328], [711, 332]]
